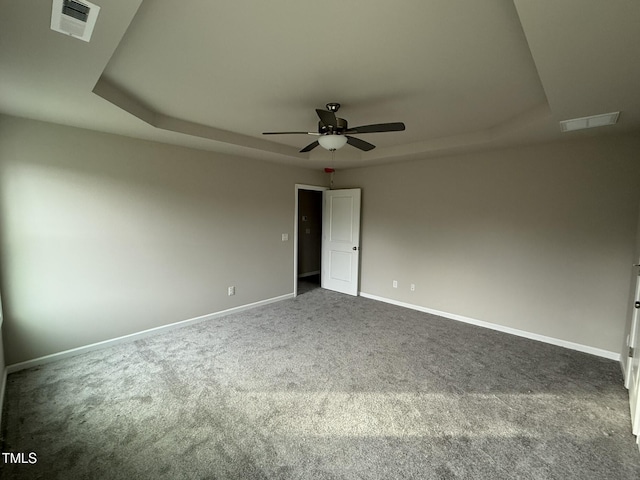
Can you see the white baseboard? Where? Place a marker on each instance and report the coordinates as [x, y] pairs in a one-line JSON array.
[[501, 328], [308, 274], [137, 336]]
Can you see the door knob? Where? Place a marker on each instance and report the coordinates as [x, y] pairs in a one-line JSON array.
[[637, 304], [356, 248]]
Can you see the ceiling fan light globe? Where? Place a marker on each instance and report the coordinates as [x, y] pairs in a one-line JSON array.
[[332, 142]]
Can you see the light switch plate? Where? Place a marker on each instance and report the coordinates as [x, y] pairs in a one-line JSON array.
[[285, 237]]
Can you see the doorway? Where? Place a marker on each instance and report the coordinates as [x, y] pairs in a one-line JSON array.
[[308, 238], [326, 239]]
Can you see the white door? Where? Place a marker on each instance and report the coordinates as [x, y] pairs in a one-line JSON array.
[[633, 363], [341, 240]]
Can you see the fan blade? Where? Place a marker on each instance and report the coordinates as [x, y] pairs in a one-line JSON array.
[[310, 147], [361, 144], [378, 127], [327, 118], [289, 133]]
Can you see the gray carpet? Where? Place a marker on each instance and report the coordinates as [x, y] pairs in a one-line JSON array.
[[325, 386]]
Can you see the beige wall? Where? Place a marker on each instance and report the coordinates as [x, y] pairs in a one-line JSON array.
[[539, 239], [103, 236]]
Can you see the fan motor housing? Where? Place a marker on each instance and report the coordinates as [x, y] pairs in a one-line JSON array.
[[338, 129]]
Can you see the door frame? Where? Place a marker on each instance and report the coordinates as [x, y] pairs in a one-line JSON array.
[[632, 379], [632, 340], [298, 187]]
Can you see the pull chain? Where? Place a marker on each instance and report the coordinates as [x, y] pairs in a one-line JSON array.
[[333, 163]]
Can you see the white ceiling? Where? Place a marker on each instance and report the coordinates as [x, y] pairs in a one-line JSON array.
[[462, 76]]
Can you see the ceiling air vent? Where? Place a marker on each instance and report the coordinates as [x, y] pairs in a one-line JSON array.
[[74, 18], [589, 122]]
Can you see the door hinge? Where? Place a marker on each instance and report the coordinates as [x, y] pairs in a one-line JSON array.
[[631, 351]]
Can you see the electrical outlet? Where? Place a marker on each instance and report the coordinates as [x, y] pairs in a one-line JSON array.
[[395, 284], [413, 287], [231, 291]]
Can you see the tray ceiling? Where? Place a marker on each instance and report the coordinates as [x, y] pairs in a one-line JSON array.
[[462, 76]]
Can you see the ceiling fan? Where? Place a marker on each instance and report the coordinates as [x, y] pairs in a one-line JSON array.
[[333, 132]]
